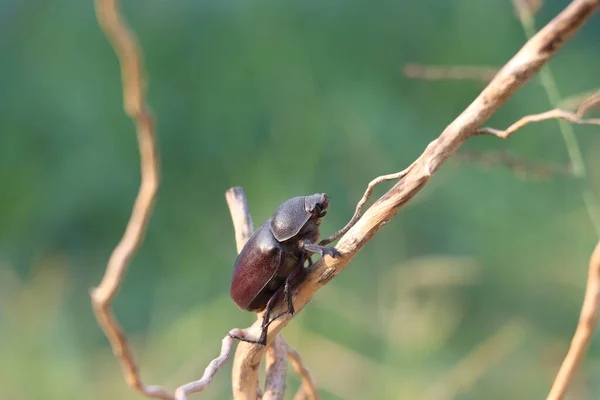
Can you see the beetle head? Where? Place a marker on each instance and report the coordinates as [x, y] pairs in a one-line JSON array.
[[316, 204], [294, 214]]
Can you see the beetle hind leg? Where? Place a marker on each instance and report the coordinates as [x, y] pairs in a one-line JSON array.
[[296, 274]]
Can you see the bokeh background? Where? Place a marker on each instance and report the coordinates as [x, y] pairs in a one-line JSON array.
[[472, 292]]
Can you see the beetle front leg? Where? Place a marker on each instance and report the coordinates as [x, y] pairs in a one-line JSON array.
[[321, 250]]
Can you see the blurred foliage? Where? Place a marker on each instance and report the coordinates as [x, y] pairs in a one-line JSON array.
[[471, 292]]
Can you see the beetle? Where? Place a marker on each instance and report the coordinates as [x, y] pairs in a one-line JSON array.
[[274, 256]]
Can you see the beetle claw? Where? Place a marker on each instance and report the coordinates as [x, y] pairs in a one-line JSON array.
[[262, 340], [322, 250], [332, 252]]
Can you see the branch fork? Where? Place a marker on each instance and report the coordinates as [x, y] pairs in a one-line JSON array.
[[352, 238]]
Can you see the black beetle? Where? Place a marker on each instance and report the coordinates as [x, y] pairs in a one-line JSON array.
[[274, 256]]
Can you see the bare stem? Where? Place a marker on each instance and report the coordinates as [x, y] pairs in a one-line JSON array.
[[557, 113], [132, 74], [240, 216], [276, 367], [362, 202], [584, 332], [242, 225], [532, 56], [308, 388]]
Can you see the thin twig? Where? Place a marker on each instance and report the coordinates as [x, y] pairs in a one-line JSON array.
[[242, 225], [362, 202], [534, 54], [240, 216], [276, 369], [575, 102], [450, 72], [308, 388], [588, 104], [183, 391], [557, 113], [574, 150], [584, 332], [130, 58]]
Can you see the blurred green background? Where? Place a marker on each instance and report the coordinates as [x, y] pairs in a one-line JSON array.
[[472, 292]]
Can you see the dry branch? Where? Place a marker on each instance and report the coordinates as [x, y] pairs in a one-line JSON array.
[[277, 351], [532, 56], [575, 118], [584, 332], [573, 101], [308, 388], [276, 367], [132, 75], [183, 391], [243, 227]]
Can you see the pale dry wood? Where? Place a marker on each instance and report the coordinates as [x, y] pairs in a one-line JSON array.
[[277, 351], [276, 369], [576, 101], [309, 387], [532, 56], [588, 104], [240, 216], [362, 202], [183, 391], [557, 113], [243, 227], [132, 74], [584, 333]]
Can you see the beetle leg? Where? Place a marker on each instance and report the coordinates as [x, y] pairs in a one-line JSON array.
[[310, 261], [265, 322], [287, 290], [322, 250]]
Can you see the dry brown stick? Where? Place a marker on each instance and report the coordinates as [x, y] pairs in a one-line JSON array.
[[589, 103], [240, 216], [243, 227], [584, 332], [532, 56], [449, 72], [308, 388], [557, 113], [132, 75], [275, 382], [576, 101], [213, 367], [362, 202], [276, 369]]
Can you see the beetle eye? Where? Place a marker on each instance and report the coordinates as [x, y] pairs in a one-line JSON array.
[[322, 214]]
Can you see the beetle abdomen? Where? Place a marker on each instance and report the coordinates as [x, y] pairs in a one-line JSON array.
[[255, 267]]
